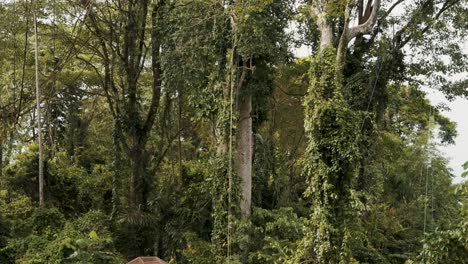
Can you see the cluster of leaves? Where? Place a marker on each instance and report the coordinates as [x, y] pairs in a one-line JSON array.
[[448, 244], [43, 235], [332, 129]]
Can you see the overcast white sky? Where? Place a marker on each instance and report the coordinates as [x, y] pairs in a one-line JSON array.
[[457, 153]]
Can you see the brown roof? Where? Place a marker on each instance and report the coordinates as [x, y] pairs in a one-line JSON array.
[[147, 260]]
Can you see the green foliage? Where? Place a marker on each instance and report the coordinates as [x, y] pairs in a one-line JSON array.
[[66, 180], [449, 244], [272, 236], [465, 167], [197, 250], [345, 165], [280, 142], [392, 227], [275, 235], [22, 173], [260, 28], [43, 219], [333, 132], [73, 243], [416, 115]]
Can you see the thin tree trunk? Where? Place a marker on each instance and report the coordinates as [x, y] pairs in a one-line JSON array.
[[134, 172], [180, 180], [244, 152], [2, 133], [38, 114], [1, 155], [9, 149]]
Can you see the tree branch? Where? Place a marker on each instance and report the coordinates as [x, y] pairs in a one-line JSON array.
[[366, 27], [402, 42], [391, 8], [156, 65]]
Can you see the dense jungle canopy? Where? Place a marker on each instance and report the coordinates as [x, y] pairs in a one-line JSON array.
[[188, 130]]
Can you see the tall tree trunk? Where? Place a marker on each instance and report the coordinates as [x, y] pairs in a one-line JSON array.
[[3, 133], [1, 156], [333, 150], [244, 139], [326, 35], [132, 125], [139, 184], [245, 154], [135, 172], [38, 111]]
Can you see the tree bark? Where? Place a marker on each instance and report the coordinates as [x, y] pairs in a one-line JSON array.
[[138, 174], [38, 113], [244, 153], [244, 139], [1, 156], [326, 35]]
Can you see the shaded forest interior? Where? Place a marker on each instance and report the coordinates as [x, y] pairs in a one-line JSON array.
[[188, 130]]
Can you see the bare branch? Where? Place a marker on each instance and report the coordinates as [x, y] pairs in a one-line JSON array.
[[367, 26], [391, 8], [367, 12]]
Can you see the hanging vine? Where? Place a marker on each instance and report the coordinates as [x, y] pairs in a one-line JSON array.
[[333, 131]]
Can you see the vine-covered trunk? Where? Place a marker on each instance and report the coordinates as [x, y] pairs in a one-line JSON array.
[[245, 154], [220, 188], [140, 182], [138, 165], [332, 131]]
